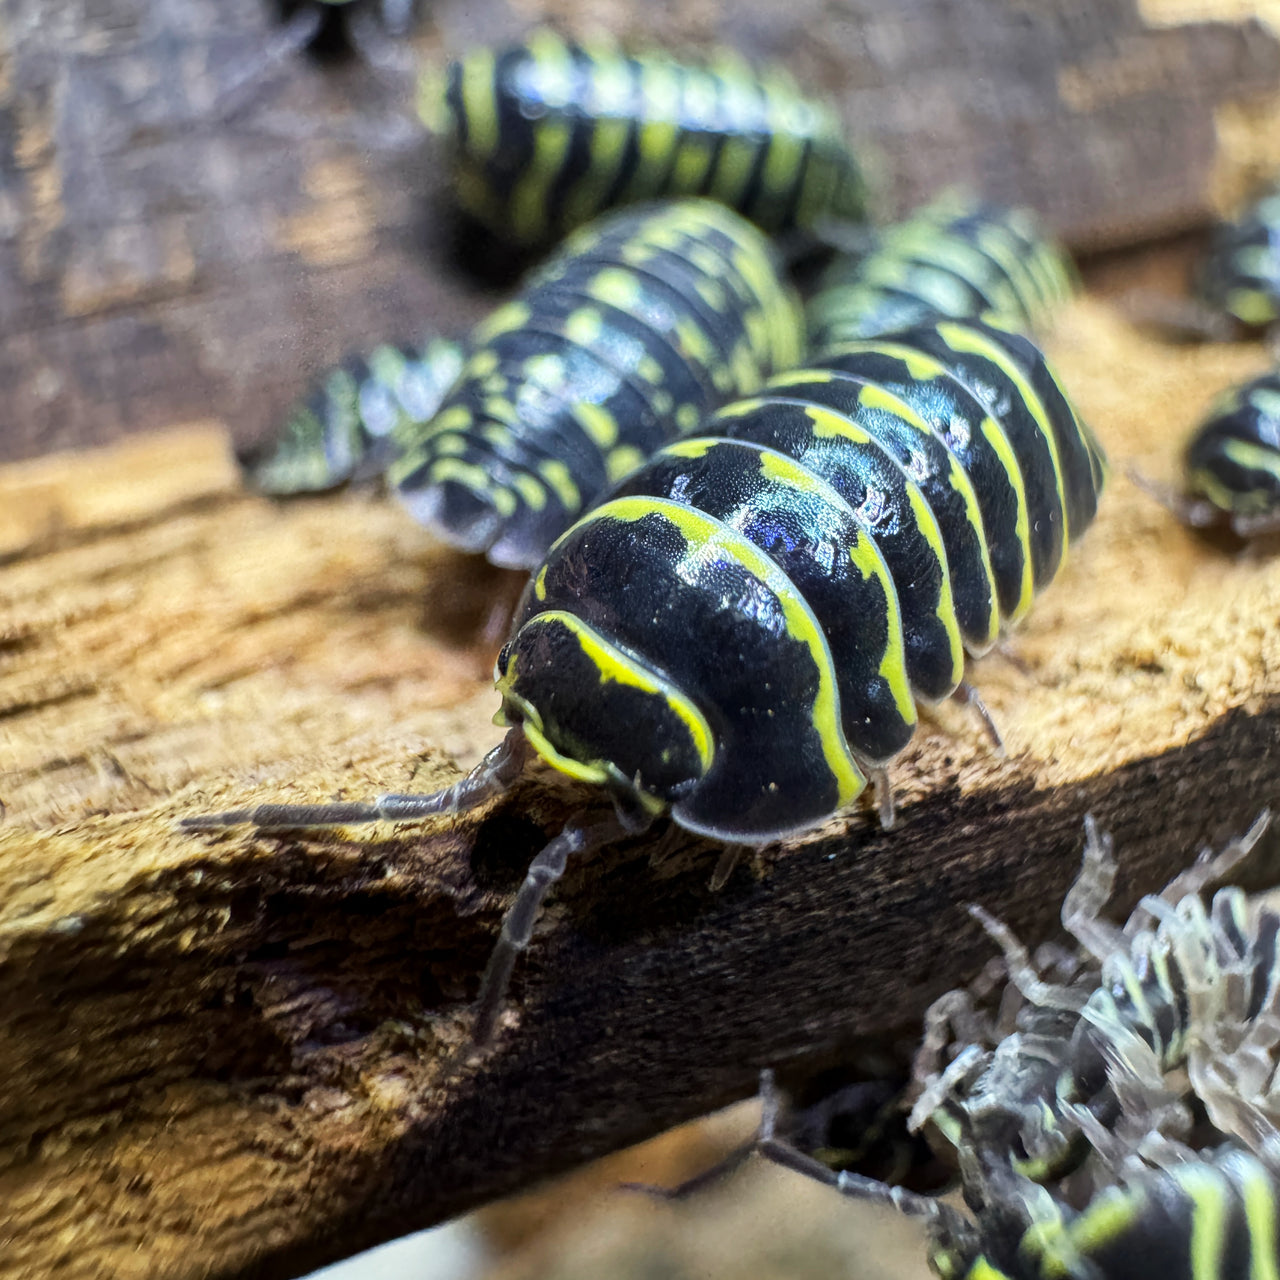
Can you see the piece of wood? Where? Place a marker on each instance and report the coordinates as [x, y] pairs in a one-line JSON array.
[[161, 261], [246, 1056]]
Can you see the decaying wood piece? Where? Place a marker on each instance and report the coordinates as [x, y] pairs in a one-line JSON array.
[[243, 1055], [161, 261]]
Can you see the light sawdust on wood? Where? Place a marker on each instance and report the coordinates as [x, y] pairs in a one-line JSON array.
[[246, 1048]]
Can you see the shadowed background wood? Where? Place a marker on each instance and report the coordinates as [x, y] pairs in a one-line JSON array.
[[159, 264], [246, 1056]]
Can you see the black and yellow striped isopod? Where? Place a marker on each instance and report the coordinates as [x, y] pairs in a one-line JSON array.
[[642, 323], [954, 258], [1240, 275], [738, 635], [1181, 986], [1233, 462], [1194, 1216], [547, 133], [350, 425]]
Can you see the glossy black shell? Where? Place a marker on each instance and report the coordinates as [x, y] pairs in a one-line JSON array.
[[548, 133], [742, 629]]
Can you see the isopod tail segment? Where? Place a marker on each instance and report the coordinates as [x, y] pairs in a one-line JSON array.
[[349, 427], [637, 327], [1232, 464]]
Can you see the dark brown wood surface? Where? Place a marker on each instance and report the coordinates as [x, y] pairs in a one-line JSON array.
[[246, 1056], [160, 263]]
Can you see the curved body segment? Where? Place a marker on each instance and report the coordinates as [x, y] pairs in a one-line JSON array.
[[951, 258], [624, 340], [352, 424], [1217, 1216], [1240, 276], [548, 133], [802, 570], [1233, 460]]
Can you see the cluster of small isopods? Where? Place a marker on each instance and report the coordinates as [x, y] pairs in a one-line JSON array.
[[882, 479], [1071, 1117]]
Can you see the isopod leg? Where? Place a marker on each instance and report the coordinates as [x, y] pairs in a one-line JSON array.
[[517, 925], [967, 694], [492, 776], [1195, 513], [884, 798]]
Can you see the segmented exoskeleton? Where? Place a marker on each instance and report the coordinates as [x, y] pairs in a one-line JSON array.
[[547, 133], [1084, 1074], [1233, 462], [1235, 288], [351, 425], [1176, 985], [1240, 275], [641, 324], [1208, 1214], [954, 258], [737, 636]]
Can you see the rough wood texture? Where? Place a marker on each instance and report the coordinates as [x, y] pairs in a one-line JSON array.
[[245, 1056], [159, 263]]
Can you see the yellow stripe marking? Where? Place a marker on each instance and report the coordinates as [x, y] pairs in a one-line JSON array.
[[479, 103], [1253, 457], [529, 198], [547, 370], [1251, 306], [560, 481], [529, 490], [1107, 1217], [687, 418], [658, 133], [599, 424], [584, 326], [481, 364], [708, 539], [476, 479], [1204, 482], [1260, 1217], [696, 448], [996, 241], [622, 461], [1266, 401], [616, 287], [432, 101], [994, 434], [946, 610], [513, 315], [872, 396], [969, 341], [617, 667], [866, 557], [984, 1270], [828, 423], [608, 147], [1208, 1191], [785, 144]]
